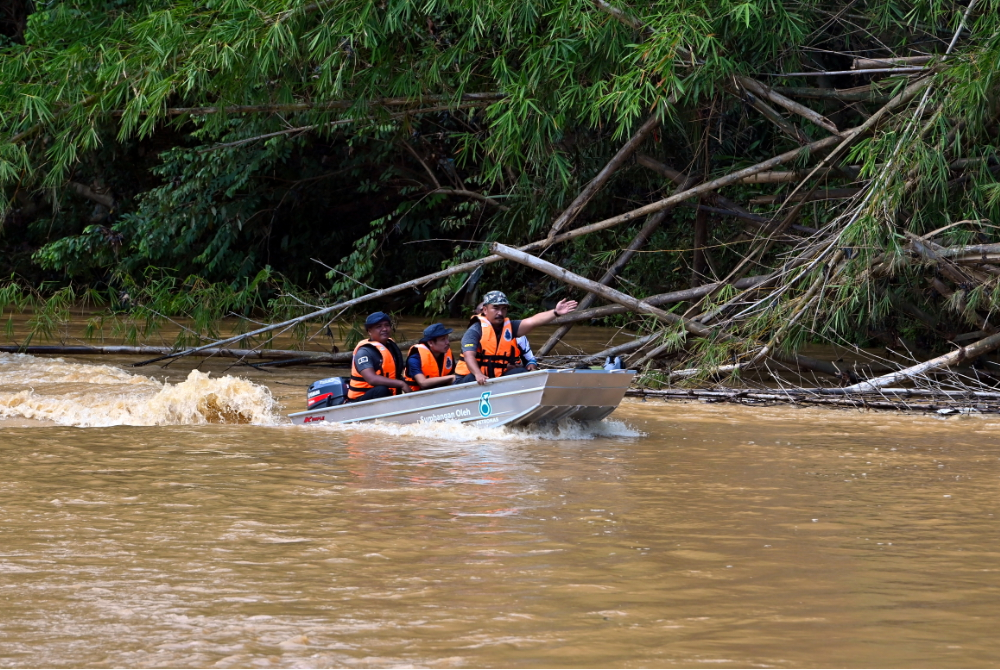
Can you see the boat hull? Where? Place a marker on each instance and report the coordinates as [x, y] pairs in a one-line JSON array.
[[517, 400]]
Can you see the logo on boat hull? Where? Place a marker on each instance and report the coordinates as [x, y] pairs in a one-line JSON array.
[[485, 409], [310, 419]]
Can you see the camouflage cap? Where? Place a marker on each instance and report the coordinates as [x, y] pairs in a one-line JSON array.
[[495, 298]]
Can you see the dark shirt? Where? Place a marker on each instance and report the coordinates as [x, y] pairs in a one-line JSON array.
[[413, 366], [470, 341], [368, 356]]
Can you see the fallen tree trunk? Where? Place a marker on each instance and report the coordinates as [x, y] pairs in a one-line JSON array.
[[687, 373], [680, 179], [618, 350], [981, 347], [659, 299], [761, 396], [971, 250], [641, 306], [605, 292], [772, 115], [637, 243]]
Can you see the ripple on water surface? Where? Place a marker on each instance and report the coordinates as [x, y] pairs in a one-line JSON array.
[[675, 535]]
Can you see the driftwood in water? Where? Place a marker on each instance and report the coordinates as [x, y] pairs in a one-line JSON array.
[[981, 347], [609, 353], [900, 402]]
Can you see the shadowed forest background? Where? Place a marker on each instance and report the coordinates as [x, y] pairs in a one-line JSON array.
[[180, 159]]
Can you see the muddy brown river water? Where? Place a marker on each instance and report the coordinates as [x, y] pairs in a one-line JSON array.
[[140, 525]]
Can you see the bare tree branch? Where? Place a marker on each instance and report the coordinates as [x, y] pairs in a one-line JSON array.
[[604, 175], [90, 194], [765, 91]]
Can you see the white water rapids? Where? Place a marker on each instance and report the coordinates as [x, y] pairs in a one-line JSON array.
[[81, 394]]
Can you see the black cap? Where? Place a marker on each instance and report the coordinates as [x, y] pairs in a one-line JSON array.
[[433, 331], [376, 318]]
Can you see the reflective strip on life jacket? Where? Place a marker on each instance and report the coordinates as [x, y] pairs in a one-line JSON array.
[[429, 365], [494, 356], [358, 386]]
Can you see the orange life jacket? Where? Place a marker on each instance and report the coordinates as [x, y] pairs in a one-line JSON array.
[[429, 365], [357, 386], [494, 356]]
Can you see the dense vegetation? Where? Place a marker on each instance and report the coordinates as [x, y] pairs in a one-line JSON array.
[[337, 145]]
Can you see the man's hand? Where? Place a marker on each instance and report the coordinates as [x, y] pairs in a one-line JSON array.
[[480, 377], [542, 318], [404, 388], [531, 367], [565, 307]]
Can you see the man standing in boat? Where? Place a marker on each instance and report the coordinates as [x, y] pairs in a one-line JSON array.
[[429, 363], [377, 365], [489, 346]]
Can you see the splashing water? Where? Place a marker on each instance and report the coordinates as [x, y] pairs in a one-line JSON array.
[[80, 394], [459, 432], [88, 395]]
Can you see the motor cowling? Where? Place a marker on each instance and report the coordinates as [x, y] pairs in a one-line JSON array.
[[328, 392]]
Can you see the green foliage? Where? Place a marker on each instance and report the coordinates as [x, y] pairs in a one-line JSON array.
[[272, 142]]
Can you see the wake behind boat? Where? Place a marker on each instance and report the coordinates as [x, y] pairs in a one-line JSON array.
[[516, 400]]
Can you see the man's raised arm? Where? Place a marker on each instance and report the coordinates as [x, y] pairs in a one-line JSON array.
[[542, 318]]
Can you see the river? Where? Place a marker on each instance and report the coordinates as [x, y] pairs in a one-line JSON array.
[[172, 518]]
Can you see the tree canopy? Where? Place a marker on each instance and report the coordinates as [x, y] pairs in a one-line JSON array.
[[388, 139]]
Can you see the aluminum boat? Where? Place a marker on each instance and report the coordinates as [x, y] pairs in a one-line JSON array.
[[518, 400]]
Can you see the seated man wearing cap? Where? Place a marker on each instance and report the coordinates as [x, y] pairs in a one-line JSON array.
[[429, 363], [527, 355], [489, 346], [377, 366]]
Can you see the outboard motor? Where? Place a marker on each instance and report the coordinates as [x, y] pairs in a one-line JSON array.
[[328, 392]]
